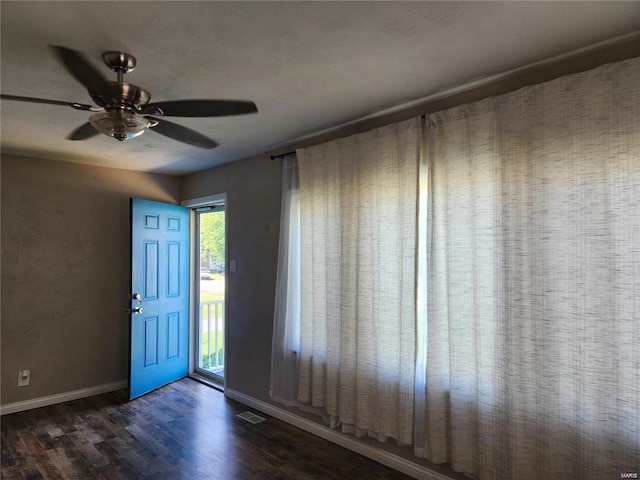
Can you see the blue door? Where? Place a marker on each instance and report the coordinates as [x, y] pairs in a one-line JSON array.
[[159, 295]]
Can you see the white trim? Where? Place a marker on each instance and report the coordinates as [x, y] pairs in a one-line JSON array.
[[389, 459], [194, 286], [61, 397], [219, 199]]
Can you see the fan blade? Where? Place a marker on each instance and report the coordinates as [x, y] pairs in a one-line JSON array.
[[77, 106], [200, 108], [82, 71], [83, 132], [182, 134]]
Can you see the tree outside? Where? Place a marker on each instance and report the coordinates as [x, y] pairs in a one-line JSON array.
[[212, 286], [212, 241]]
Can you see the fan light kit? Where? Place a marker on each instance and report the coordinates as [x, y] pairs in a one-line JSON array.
[[124, 111], [120, 124]]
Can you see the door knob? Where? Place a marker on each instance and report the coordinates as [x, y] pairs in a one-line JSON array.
[[135, 310]]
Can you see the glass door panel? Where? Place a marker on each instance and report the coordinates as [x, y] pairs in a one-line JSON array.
[[211, 321]]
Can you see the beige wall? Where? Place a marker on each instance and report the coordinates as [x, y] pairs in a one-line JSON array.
[[65, 273]]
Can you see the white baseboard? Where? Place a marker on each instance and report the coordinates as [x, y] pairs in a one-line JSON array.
[[389, 459], [61, 397]]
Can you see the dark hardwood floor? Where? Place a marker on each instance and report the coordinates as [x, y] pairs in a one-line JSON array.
[[185, 430]]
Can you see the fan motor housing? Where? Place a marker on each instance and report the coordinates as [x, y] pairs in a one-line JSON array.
[[127, 96]]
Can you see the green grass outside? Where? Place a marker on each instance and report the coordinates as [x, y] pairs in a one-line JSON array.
[[219, 295], [210, 360], [209, 297], [205, 340]]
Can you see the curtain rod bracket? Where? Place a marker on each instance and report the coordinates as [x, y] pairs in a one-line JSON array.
[[273, 157]]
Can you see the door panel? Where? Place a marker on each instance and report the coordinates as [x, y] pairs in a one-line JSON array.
[[160, 275]]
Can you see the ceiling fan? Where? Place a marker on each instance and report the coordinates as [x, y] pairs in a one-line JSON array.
[[123, 110]]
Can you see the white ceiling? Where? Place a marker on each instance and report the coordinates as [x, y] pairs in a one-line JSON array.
[[307, 65]]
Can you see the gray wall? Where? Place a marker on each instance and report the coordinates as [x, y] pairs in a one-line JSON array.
[[253, 187], [65, 273], [253, 223], [65, 256]]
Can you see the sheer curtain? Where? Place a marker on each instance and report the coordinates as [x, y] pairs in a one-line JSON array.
[[357, 248], [531, 280], [286, 323]]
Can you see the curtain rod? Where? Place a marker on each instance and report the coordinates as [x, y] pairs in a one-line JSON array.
[[273, 157]]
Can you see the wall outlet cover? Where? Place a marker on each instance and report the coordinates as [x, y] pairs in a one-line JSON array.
[[24, 377]]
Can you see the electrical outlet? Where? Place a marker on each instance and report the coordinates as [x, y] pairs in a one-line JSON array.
[[23, 378]]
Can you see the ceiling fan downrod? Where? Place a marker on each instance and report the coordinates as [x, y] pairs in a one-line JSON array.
[[121, 95], [122, 103]]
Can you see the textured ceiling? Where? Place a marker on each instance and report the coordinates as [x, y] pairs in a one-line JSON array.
[[307, 65]]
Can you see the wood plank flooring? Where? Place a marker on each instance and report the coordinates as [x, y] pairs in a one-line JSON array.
[[185, 430]]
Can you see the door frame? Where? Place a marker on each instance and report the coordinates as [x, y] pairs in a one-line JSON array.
[[194, 284]]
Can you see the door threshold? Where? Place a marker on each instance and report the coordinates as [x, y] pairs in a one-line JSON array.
[[206, 381]]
